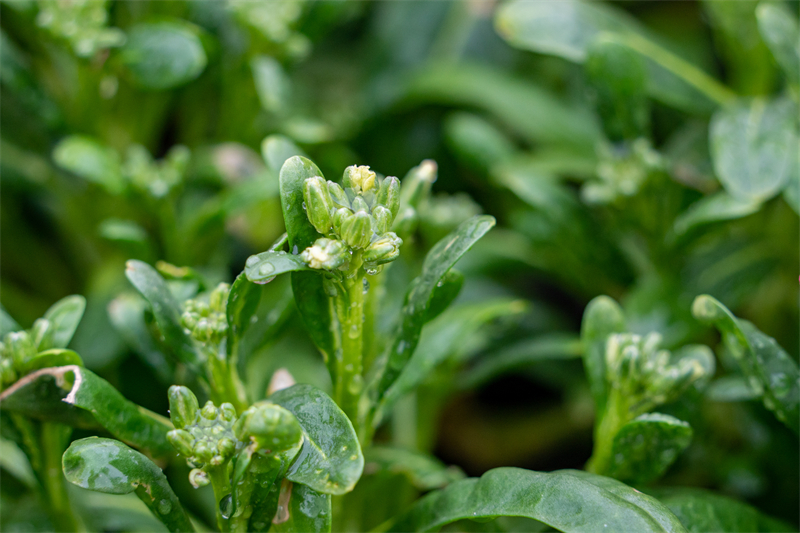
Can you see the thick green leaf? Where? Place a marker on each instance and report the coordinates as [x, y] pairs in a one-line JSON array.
[[437, 263], [301, 508], [243, 301], [276, 149], [769, 369], [701, 511], [566, 500], [92, 161], [263, 267], [714, 208], [424, 472], [445, 292], [50, 358], [106, 465], [780, 31], [166, 310], [163, 55], [64, 317], [645, 447], [602, 317], [75, 396], [330, 460], [754, 147], [7, 324]]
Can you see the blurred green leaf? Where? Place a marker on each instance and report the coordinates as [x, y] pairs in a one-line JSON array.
[[303, 509], [424, 472], [713, 208], [566, 500], [476, 141], [272, 84], [276, 149], [263, 267], [7, 324], [445, 292], [106, 465], [780, 31], [602, 317], [330, 460], [64, 317], [731, 389], [92, 161], [50, 358], [126, 313]]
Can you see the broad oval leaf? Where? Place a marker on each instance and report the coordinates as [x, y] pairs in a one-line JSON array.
[[330, 460], [301, 508], [714, 208], [569, 501], [75, 396], [92, 161], [106, 465], [163, 55], [770, 371], [780, 31], [263, 267], [602, 317], [754, 147], [645, 447], [64, 317], [438, 262]]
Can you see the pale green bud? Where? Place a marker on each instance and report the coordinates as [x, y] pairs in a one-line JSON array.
[[328, 254], [382, 219], [8, 374], [337, 194], [389, 195], [226, 447], [339, 217], [359, 178], [198, 478], [227, 412], [360, 205], [183, 406], [182, 441], [218, 299], [41, 332], [19, 347], [417, 184], [318, 204], [357, 230], [203, 452], [384, 250], [209, 411]]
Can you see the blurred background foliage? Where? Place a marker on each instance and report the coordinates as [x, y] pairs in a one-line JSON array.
[[651, 165]]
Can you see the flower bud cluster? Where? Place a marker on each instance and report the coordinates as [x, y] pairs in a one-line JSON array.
[[623, 170], [155, 177], [82, 23], [271, 428], [207, 321], [646, 375], [355, 216], [204, 436]]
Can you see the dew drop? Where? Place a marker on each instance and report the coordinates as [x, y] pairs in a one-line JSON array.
[[164, 507], [266, 268], [226, 506], [370, 272], [353, 333]]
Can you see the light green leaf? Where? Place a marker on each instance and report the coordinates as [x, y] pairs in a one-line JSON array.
[[14, 461], [780, 31], [645, 447], [92, 161], [7, 324], [437, 263], [731, 389], [602, 317], [263, 267], [75, 396], [445, 292], [769, 369], [163, 55], [50, 358], [716, 207], [272, 84], [792, 194], [302, 509], [568, 501], [330, 460], [243, 300], [424, 472], [754, 147], [701, 511], [64, 317], [276, 149], [106, 465]]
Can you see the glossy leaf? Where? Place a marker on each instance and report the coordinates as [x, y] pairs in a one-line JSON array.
[[602, 317], [701, 511], [713, 208], [64, 317], [7, 324], [301, 508], [445, 292], [754, 147], [330, 460], [106, 465], [568, 501], [92, 161], [437, 263], [424, 472], [163, 55], [276, 149], [75, 396], [645, 447], [166, 310], [780, 31], [769, 369], [263, 267], [50, 358], [243, 300]]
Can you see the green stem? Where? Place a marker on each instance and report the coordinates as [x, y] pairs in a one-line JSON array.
[[222, 488], [612, 419], [226, 386], [350, 308], [52, 443]]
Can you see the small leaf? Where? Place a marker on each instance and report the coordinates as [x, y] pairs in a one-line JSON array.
[[106, 465], [276, 149], [330, 460], [714, 208], [301, 508], [754, 147], [780, 31], [700, 511], [163, 55], [92, 161], [243, 300], [7, 324], [602, 317], [569, 501], [166, 310], [64, 317], [769, 369], [445, 292], [424, 472], [75, 396], [437, 263], [50, 358], [272, 84], [645, 447], [263, 268]]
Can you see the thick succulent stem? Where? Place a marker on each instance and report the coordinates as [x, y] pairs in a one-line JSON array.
[[350, 310]]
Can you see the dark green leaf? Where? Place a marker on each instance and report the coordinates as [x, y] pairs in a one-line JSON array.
[[166, 310], [780, 31], [7, 324], [602, 317], [713, 208], [64, 317], [645, 447], [106, 465], [75, 396], [437, 263], [276, 149], [731, 389], [243, 301], [476, 141], [330, 460], [87, 158], [769, 369], [569, 501], [701, 511], [163, 55], [445, 292], [126, 313], [301, 508], [424, 472], [754, 147], [263, 267]]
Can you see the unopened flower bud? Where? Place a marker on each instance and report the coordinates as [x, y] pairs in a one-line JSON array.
[[337, 194], [183, 406], [209, 411], [41, 332], [382, 219], [226, 446], [360, 205], [8, 374], [19, 347], [216, 460], [417, 184], [182, 441], [218, 298], [357, 230], [384, 250], [203, 452], [318, 204], [359, 178], [328, 254], [227, 411], [198, 478], [389, 195], [341, 214]]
